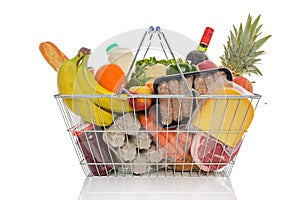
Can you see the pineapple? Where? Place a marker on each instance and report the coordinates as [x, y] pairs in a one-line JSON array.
[[241, 54]]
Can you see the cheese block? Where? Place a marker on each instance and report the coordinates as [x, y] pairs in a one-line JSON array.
[[225, 118]]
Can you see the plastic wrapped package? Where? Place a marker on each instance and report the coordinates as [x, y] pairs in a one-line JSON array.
[[209, 154], [95, 151], [174, 144]]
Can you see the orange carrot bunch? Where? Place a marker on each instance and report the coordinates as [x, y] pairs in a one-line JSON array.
[[173, 142]]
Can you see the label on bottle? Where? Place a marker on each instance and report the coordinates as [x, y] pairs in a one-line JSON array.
[[202, 47], [82, 128]]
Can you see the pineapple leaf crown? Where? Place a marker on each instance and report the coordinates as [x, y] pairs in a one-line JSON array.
[[241, 54]]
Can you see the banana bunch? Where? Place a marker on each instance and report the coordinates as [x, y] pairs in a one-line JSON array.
[[102, 97], [84, 107], [87, 98], [66, 76]]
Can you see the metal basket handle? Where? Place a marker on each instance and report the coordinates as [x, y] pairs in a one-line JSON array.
[[150, 30], [177, 64], [162, 39]]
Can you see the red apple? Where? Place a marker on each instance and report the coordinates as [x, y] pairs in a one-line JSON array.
[[207, 64], [244, 82], [140, 103]]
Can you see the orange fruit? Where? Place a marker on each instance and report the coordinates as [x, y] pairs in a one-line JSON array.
[[110, 76]]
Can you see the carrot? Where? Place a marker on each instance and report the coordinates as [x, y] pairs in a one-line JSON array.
[[171, 150], [144, 120], [171, 136], [52, 54], [166, 139], [179, 140], [110, 76], [147, 122], [161, 136], [183, 138]]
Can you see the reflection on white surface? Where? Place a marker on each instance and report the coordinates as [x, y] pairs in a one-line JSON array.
[[203, 188]]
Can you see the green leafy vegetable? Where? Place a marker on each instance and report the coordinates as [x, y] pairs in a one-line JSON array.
[[139, 77]]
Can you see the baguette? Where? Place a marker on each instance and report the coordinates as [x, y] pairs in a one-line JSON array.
[[52, 54]]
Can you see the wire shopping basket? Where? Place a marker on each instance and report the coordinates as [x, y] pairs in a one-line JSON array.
[[193, 125]]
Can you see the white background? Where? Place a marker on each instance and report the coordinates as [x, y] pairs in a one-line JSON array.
[[37, 158]]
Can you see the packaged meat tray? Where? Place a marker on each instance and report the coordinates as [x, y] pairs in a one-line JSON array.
[[177, 111]]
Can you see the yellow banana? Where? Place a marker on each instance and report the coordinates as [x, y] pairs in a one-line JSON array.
[[90, 112], [81, 106], [66, 77], [108, 100]]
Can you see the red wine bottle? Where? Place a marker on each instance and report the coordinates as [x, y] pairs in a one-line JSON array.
[[199, 55]]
